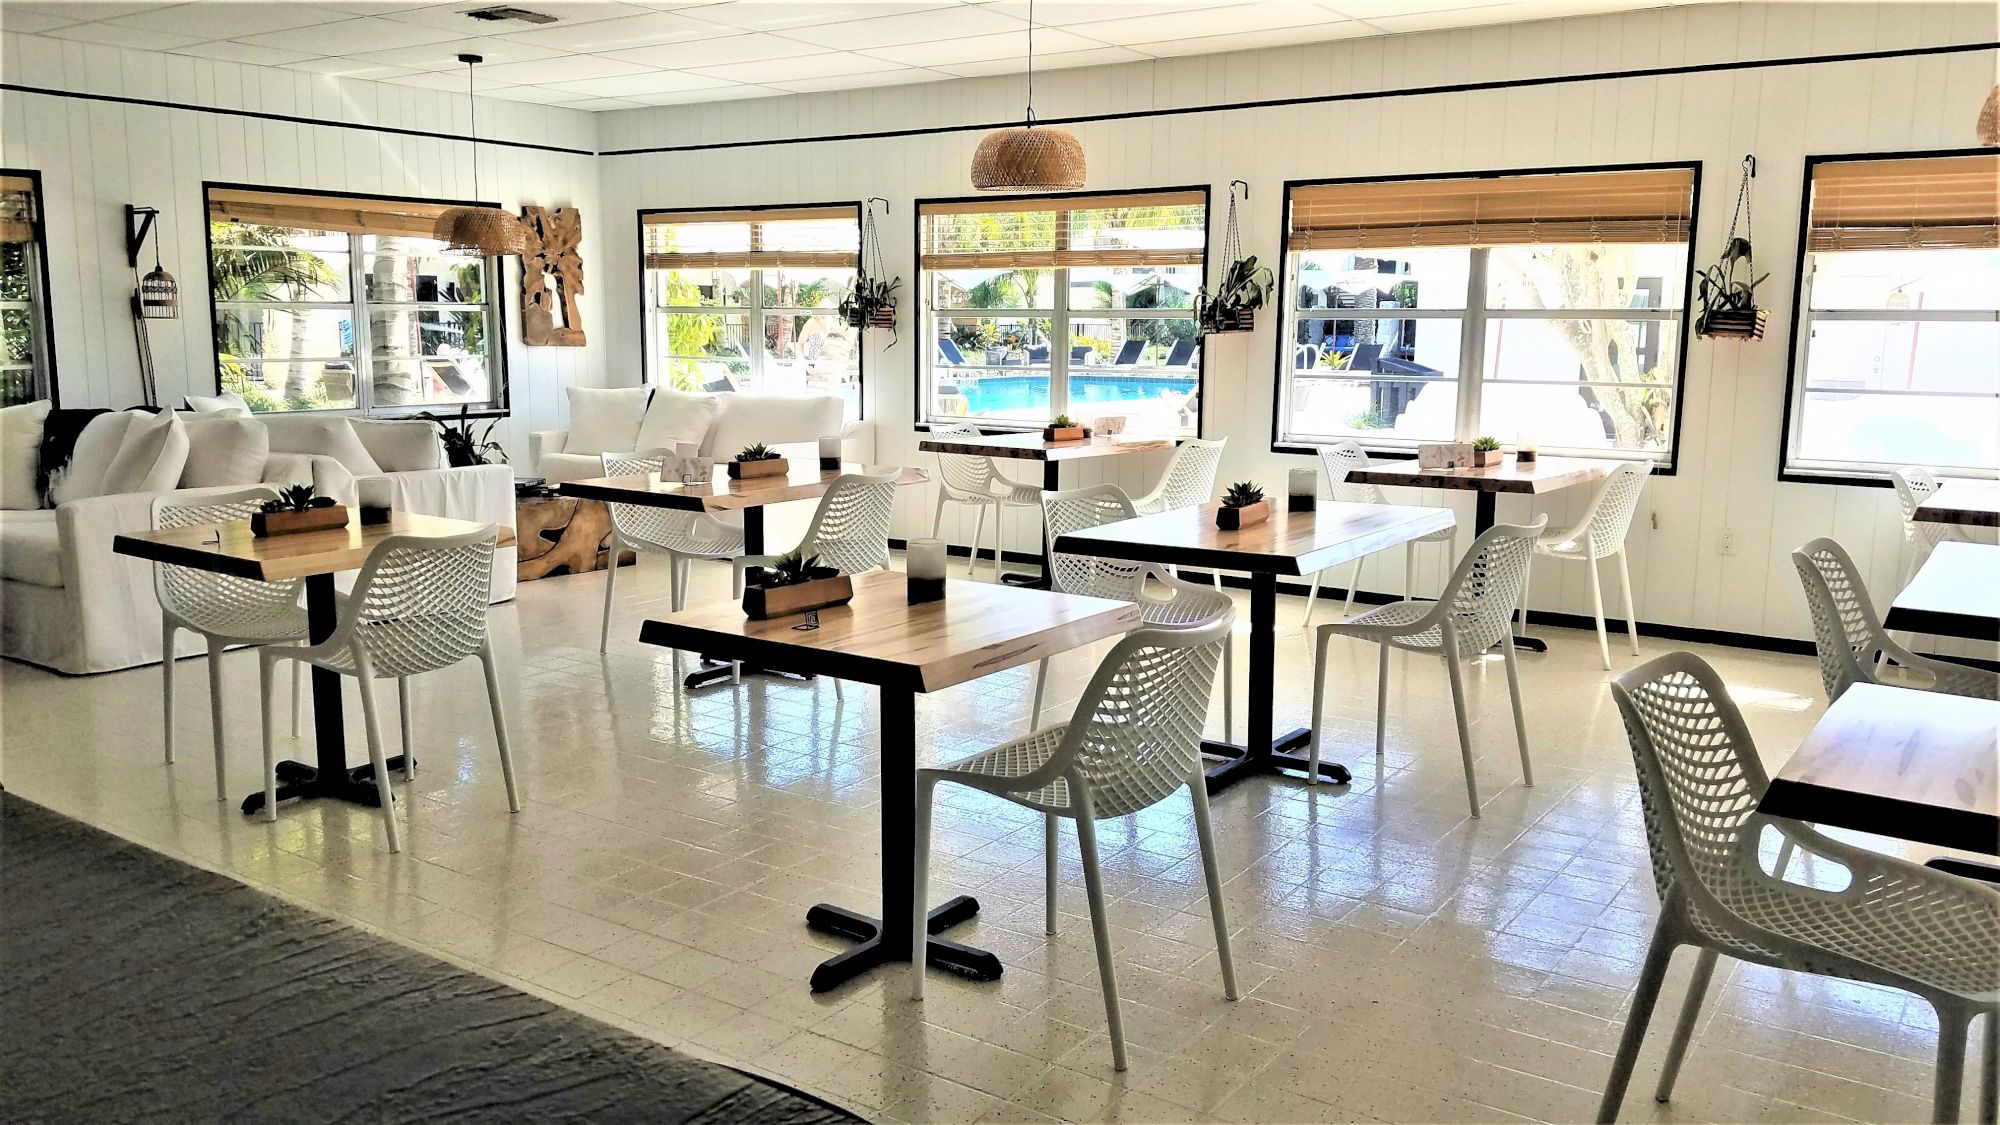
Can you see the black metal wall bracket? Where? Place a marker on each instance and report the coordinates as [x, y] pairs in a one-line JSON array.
[[138, 224]]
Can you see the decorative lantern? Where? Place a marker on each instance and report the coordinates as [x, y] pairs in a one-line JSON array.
[[488, 230], [159, 295], [1030, 157]]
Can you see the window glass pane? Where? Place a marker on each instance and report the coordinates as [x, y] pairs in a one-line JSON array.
[[281, 332], [1407, 279], [812, 234], [328, 385], [1907, 279], [1593, 276], [260, 263], [436, 380], [701, 288], [704, 351], [1132, 287], [1902, 392], [807, 353], [413, 332], [699, 238], [1174, 227], [16, 266], [993, 289], [1533, 368], [992, 367], [418, 269], [1404, 391], [805, 289]]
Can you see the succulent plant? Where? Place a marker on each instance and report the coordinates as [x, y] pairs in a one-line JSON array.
[[1485, 444], [792, 569], [1242, 494], [296, 498], [757, 452], [1062, 421], [462, 446]]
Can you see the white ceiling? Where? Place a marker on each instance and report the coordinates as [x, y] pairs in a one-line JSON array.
[[603, 55]]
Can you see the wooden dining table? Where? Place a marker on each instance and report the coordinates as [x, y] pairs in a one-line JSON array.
[[1968, 503], [975, 630], [1956, 593], [1291, 544], [315, 556]]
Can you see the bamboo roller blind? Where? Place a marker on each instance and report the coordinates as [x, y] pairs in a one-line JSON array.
[[1152, 229], [774, 238], [1922, 203], [17, 209], [1652, 205], [405, 217]]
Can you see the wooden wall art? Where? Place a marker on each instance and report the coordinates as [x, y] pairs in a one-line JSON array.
[[551, 277]]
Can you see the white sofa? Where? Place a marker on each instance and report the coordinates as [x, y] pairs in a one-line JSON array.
[[632, 419], [68, 603]]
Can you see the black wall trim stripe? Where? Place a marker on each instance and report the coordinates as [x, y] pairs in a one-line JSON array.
[[1324, 99], [290, 119]]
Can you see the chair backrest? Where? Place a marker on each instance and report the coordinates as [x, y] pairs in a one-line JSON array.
[[1365, 357], [963, 472], [1182, 353], [1611, 510], [1039, 354], [420, 601], [1128, 353], [1190, 476], [1341, 459], [641, 523], [1080, 508], [202, 597], [1079, 353], [1846, 632], [1487, 583], [850, 529], [948, 351], [1914, 484]]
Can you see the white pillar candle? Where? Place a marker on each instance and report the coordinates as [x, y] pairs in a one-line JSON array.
[[1303, 482], [829, 449], [374, 492], [925, 558]]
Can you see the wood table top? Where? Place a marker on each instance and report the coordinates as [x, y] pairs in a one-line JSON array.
[[1956, 593], [279, 558], [1289, 543], [1544, 474], [806, 481], [1975, 503], [1915, 765], [977, 629], [1031, 447]]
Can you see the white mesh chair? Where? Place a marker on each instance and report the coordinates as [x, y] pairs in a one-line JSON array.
[[965, 478], [1186, 605], [849, 530], [1914, 484], [1854, 647], [1135, 740], [1473, 614], [225, 610], [418, 604], [1601, 535], [1189, 480], [1894, 923], [1338, 461], [681, 536]]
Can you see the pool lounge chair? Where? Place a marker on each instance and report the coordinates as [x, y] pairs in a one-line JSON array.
[[1078, 354], [1129, 353], [1182, 354], [949, 352]]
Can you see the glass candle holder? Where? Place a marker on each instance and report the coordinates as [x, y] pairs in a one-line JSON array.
[[1524, 448], [923, 562], [1302, 488], [374, 495], [829, 452]]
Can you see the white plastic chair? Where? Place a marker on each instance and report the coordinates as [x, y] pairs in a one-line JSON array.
[[681, 536], [1188, 605], [966, 478], [1601, 535], [1338, 461], [1473, 614], [1914, 484], [224, 609], [849, 529], [418, 604], [1189, 480], [1853, 646], [1894, 923], [1135, 740]]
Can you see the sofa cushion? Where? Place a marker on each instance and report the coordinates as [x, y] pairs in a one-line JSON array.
[[95, 448], [556, 468], [746, 419], [283, 470], [675, 417], [212, 404], [400, 445], [20, 453], [224, 449], [605, 419], [329, 435], [150, 457], [30, 550]]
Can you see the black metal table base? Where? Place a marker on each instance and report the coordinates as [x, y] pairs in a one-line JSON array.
[[355, 785], [1023, 578], [714, 671], [1281, 757], [1965, 868], [1531, 644], [874, 951]]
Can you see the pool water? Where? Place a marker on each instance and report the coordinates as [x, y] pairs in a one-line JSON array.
[[1016, 394]]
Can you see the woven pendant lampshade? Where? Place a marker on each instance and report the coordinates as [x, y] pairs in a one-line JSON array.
[[488, 230], [1989, 119], [1030, 157]]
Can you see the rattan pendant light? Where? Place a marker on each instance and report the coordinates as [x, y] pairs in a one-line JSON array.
[[1989, 119], [1032, 157], [488, 230]]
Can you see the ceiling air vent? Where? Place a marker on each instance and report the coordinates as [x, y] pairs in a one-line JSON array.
[[493, 15]]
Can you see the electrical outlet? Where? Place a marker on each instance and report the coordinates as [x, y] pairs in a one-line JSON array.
[[1727, 544]]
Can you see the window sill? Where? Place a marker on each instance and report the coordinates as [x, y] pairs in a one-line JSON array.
[[1661, 468]]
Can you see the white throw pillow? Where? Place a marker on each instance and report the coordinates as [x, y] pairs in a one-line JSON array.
[[605, 419], [673, 417], [211, 404], [223, 449], [91, 458], [327, 435], [21, 454], [151, 456], [399, 445]]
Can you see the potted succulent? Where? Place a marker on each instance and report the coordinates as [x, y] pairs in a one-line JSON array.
[[462, 447], [793, 584], [871, 303], [297, 509], [1485, 451], [1064, 428], [1729, 305], [758, 460], [1242, 506], [1245, 287]]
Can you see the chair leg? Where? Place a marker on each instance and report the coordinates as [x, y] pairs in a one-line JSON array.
[[1989, 1070], [1041, 681], [1381, 702], [1312, 599], [1353, 581], [937, 514], [264, 671], [167, 632], [1631, 617], [1453, 674], [610, 588], [1521, 610], [1950, 1064], [1410, 571], [920, 880], [1319, 706], [1198, 789], [978, 533], [735, 584], [1652, 975], [215, 714], [1520, 719], [674, 591], [1229, 688], [1704, 968], [298, 692], [499, 725], [1050, 837], [365, 680], [404, 718], [1093, 884], [1597, 608]]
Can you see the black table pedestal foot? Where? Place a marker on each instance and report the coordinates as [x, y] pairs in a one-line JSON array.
[[1965, 868], [1281, 757], [1023, 578], [873, 951], [296, 779], [1531, 644], [719, 671]]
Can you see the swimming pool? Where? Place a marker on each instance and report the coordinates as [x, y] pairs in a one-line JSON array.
[[1016, 394]]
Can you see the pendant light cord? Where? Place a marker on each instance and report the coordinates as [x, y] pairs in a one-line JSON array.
[[472, 107], [1031, 62]]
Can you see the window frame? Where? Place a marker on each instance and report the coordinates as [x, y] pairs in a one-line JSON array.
[[1665, 463], [494, 307], [755, 309], [925, 357], [1796, 346], [47, 385]]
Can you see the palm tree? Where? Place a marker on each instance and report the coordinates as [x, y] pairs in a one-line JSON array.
[[259, 263]]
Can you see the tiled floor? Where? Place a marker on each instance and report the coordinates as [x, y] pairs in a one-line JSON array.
[[1399, 961]]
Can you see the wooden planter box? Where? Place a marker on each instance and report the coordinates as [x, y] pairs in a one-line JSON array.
[[1235, 320], [1485, 458], [266, 524], [1249, 515], [769, 467], [761, 603], [882, 317], [1734, 325], [1064, 433]]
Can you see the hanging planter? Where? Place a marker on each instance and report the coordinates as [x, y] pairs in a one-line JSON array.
[[1729, 302], [1245, 286], [871, 303]]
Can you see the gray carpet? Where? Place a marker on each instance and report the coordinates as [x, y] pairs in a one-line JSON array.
[[136, 987]]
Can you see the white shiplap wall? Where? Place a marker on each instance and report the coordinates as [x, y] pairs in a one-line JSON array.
[[1734, 391], [95, 157]]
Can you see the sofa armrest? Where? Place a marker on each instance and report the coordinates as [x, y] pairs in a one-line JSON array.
[[545, 441]]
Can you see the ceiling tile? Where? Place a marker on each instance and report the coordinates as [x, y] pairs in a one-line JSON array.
[[1252, 40], [113, 35], [561, 68], [902, 77], [231, 51], [450, 81], [1061, 12], [635, 85], [1264, 15], [444, 55], [31, 23], [1062, 60], [719, 94], [77, 11], [353, 68], [834, 64], [631, 31], [452, 17], [717, 52], [1450, 17], [777, 15], [351, 37], [213, 20], [539, 95], [985, 48], [916, 27], [598, 105]]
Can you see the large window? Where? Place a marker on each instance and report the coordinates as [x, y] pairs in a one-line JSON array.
[[1080, 305], [27, 366], [1542, 306], [1896, 352], [750, 300], [330, 302]]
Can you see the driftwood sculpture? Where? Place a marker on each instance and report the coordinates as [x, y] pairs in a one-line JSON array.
[[551, 277]]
